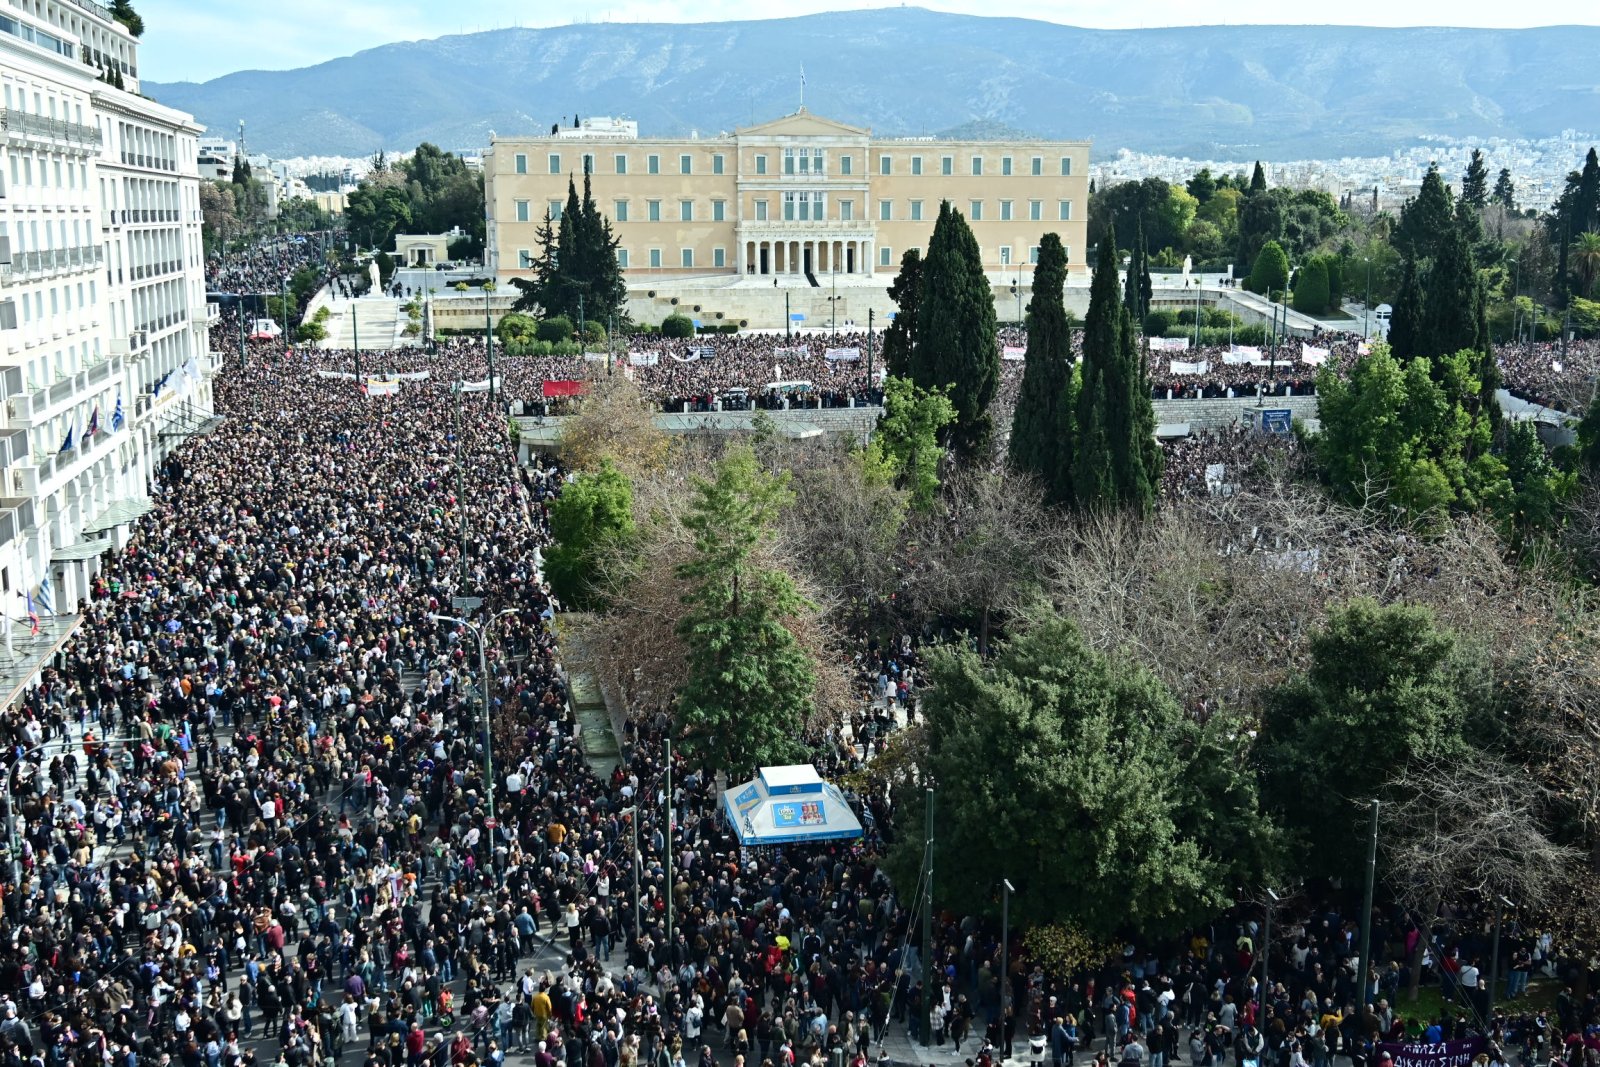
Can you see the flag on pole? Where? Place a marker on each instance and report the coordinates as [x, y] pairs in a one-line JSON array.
[[94, 422], [33, 616], [116, 415], [66, 445], [47, 596]]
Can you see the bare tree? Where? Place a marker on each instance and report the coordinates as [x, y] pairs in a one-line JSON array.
[[614, 421], [1472, 828], [981, 555]]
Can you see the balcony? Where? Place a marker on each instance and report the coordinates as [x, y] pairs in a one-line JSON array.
[[21, 126], [51, 260], [748, 228], [16, 516]]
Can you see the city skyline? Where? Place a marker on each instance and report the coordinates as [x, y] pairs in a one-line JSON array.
[[186, 42]]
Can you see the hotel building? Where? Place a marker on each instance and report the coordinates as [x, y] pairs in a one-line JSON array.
[[103, 317]]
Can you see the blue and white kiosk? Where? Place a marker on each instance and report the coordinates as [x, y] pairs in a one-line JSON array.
[[789, 805]]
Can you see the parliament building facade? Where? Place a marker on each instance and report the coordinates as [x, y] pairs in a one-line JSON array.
[[802, 194]]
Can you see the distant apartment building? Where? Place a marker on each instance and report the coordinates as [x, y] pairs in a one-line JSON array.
[[799, 194], [103, 317]]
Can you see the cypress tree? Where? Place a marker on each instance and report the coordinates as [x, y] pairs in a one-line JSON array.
[[1450, 308], [956, 331], [1042, 428], [1116, 459], [900, 339], [1258, 179], [1425, 218], [1405, 323], [1505, 190], [1475, 182]]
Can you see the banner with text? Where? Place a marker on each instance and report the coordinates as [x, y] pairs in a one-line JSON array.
[[374, 387], [1013, 352], [793, 352], [1313, 356], [562, 388], [842, 355], [644, 359], [1180, 367], [1420, 1054], [1169, 344]]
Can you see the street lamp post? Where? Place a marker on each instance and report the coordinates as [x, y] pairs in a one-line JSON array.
[[1500, 903], [488, 336], [285, 309], [1005, 963], [1366, 305], [1266, 964], [632, 812], [480, 632]]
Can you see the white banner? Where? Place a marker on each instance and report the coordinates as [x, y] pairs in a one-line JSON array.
[[594, 357], [1013, 352], [1253, 351], [412, 376], [1316, 357], [376, 388], [1169, 344], [644, 359], [1363, 349], [842, 355], [703, 351], [1180, 367], [694, 354], [1555, 365], [794, 352], [483, 386], [336, 374]]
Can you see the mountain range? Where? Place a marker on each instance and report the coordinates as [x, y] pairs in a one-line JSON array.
[[1230, 92]]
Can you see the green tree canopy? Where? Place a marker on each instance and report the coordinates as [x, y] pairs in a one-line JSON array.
[[1475, 182], [1042, 429], [750, 683], [593, 512], [1271, 270], [1311, 287], [1093, 811], [956, 331], [906, 440], [1425, 219], [576, 272], [1380, 693]]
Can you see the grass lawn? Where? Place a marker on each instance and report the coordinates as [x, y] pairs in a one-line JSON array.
[[1429, 1004]]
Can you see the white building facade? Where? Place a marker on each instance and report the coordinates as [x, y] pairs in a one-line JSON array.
[[103, 353]]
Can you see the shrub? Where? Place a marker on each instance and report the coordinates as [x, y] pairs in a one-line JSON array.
[[517, 328], [1210, 335], [729, 327], [555, 329], [677, 326], [594, 332], [1158, 322]]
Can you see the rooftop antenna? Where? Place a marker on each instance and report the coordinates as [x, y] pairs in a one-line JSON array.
[[802, 86]]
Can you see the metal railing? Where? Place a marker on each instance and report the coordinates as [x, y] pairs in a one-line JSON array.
[[53, 259], [24, 124]]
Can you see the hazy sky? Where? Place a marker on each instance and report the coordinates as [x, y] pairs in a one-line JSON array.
[[200, 39]]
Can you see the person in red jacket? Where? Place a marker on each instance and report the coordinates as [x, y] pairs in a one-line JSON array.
[[416, 1041]]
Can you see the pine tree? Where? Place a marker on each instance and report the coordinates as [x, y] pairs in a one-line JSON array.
[[956, 331], [607, 289], [1042, 428], [1587, 216], [1475, 182], [900, 339], [1258, 179], [1505, 191], [1116, 460]]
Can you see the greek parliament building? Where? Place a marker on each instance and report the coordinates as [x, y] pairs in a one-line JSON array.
[[103, 317], [774, 202]]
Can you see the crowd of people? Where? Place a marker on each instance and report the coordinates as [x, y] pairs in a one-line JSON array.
[[262, 267], [1551, 373], [255, 820]]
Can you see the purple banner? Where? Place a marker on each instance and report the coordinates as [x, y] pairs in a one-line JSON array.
[[1421, 1054]]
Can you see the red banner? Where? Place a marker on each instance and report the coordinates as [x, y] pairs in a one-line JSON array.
[[562, 388]]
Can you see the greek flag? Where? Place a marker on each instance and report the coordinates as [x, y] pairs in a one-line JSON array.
[[116, 416], [47, 599]]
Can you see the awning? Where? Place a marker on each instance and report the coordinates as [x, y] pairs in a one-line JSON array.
[[784, 805]]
